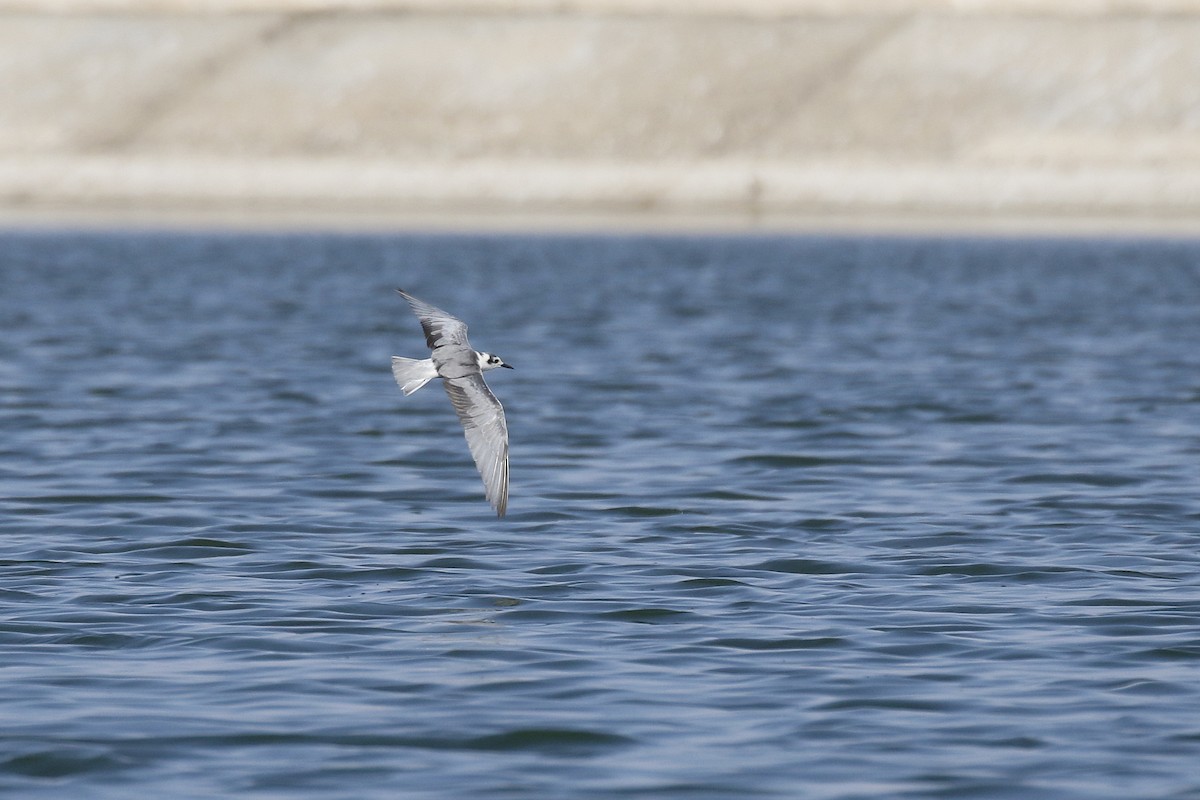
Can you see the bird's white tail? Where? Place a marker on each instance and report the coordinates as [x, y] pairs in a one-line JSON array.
[[413, 373]]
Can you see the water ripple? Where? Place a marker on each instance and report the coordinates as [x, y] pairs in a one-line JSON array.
[[837, 518]]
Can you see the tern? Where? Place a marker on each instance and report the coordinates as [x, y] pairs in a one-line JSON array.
[[461, 369]]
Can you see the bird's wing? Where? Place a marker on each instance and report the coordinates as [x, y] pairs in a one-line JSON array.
[[482, 418], [440, 328]]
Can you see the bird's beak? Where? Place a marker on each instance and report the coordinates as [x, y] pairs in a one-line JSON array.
[[508, 366]]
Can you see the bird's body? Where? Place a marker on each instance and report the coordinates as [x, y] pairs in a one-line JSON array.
[[461, 369]]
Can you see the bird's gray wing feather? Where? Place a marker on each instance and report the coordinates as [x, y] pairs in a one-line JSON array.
[[440, 328], [482, 418]]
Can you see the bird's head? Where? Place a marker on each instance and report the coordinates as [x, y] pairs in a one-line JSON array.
[[488, 361]]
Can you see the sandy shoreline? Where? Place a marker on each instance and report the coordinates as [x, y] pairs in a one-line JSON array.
[[366, 221], [992, 115], [725, 196]]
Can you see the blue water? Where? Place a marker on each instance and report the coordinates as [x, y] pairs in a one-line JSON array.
[[790, 518]]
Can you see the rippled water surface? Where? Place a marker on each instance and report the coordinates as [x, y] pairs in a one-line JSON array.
[[827, 518]]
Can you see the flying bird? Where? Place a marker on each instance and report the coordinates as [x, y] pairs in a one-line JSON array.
[[461, 369]]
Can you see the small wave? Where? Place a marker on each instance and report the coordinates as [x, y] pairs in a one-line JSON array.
[[1099, 479], [550, 740]]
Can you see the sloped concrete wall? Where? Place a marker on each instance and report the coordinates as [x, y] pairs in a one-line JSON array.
[[769, 114]]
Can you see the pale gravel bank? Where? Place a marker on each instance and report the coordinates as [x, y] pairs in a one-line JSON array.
[[522, 114]]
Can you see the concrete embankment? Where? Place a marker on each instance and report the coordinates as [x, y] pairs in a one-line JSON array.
[[785, 114]]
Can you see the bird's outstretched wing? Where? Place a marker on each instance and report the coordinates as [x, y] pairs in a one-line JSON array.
[[440, 328], [482, 418]]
